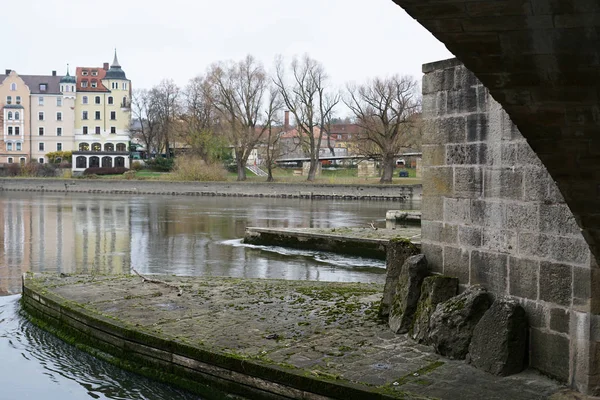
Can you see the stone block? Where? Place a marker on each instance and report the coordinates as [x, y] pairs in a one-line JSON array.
[[535, 184], [436, 289], [521, 216], [435, 256], [535, 244], [456, 263], [489, 270], [461, 101], [537, 314], [434, 155], [476, 153], [499, 342], [433, 82], [499, 240], [451, 130], [432, 208], [549, 353], [523, 277], [457, 210], [397, 253], [556, 283], [483, 97], [558, 219], [572, 250], [429, 103], [408, 291], [477, 128], [508, 154], [526, 156], [452, 323], [488, 213], [559, 320], [469, 236], [468, 182], [439, 232], [438, 181], [503, 184]]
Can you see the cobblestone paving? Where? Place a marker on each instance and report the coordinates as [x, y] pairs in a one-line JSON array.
[[320, 329]]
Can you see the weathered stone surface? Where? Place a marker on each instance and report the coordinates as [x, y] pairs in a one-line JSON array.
[[436, 289], [499, 340], [408, 291], [452, 323], [396, 254]]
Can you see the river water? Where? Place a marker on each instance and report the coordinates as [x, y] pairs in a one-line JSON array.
[[74, 233]]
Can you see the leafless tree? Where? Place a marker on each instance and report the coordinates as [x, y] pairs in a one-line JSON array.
[[166, 104], [310, 100], [237, 92], [199, 131], [387, 112], [274, 131], [144, 126]]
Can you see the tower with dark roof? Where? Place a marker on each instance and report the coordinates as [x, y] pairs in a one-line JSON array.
[[68, 85], [115, 71]]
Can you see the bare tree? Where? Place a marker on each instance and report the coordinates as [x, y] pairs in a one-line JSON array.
[[273, 134], [237, 92], [144, 126], [387, 111], [165, 99], [200, 121], [310, 100]]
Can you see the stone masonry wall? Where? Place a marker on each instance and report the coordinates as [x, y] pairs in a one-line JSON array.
[[493, 216]]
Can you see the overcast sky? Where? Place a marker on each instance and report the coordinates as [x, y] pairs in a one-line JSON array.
[[178, 39]]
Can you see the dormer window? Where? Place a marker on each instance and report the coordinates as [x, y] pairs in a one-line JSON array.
[[94, 83], [84, 72], [84, 83], [94, 73], [43, 87], [13, 86]]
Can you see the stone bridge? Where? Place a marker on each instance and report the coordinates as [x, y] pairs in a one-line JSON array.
[[525, 224]]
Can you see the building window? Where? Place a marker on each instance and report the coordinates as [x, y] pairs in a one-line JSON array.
[[59, 116], [41, 116], [94, 73], [94, 83], [10, 160], [10, 115], [97, 100], [85, 130], [84, 72], [40, 101], [84, 83], [9, 146], [110, 100], [10, 130], [114, 85], [72, 88], [41, 131], [80, 162], [84, 115], [18, 99], [41, 146], [113, 129], [18, 146], [58, 146], [43, 87], [97, 115], [124, 86], [96, 147], [17, 116], [121, 147], [8, 99], [113, 115], [17, 130], [84, 100], [97, 130], [13, 86], [22, 160], [109, 147], [41, 160], [59, 101], [59, 131]]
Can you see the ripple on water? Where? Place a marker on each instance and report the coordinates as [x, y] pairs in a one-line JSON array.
[[44, 367]]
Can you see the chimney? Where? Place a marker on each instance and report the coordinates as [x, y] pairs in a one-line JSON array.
[[53, 73], [8, 71], [105, 66], [286, 121]]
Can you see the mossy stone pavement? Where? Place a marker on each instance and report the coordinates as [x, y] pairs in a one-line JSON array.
[[321, 330]]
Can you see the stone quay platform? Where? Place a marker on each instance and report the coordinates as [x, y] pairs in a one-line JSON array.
[[258, 339], [358, 241]]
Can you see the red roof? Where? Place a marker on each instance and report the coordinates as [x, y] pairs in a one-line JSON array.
[[89, 78]]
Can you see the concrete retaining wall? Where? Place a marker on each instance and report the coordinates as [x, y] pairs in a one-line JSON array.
[[246, 189], [492, 215]]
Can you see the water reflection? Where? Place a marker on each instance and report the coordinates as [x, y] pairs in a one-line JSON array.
[[171, 235]]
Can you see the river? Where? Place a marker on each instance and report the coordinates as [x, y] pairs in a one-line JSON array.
[[85, 233]]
